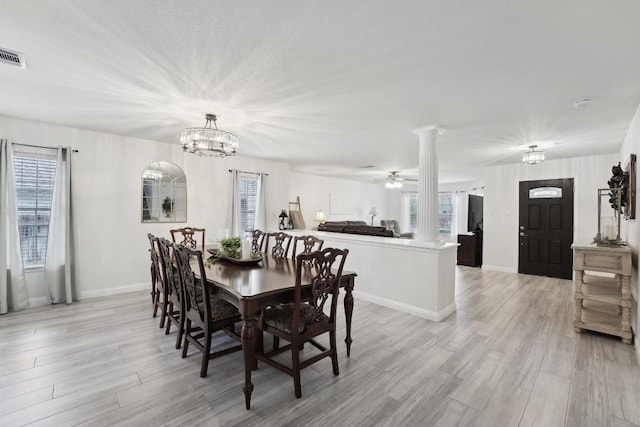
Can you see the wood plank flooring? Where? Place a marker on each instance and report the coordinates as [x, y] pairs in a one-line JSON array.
[[507, 357]]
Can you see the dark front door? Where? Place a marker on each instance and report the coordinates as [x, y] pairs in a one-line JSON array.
[[546, 228]]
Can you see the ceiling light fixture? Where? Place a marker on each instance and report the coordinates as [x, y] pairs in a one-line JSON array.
[[393, 184], [532, 157], [209, 141]]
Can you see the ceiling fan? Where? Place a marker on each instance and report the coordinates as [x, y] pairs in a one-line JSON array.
[[394, 180]]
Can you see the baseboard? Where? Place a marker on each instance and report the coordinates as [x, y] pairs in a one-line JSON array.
[[499, 268], [406, 308], [115, 291]]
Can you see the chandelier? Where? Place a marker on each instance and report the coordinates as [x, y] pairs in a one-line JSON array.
[[209, 141], [532, 157]]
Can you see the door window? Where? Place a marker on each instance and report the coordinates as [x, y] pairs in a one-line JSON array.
[[545, 193]]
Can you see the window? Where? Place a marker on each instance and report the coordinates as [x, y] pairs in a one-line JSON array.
[[34, 178], [445, 211], [545, 193], [411, 211], [248, 184]]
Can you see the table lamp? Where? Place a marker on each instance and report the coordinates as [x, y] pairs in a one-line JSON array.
[[283, 217], [373, 212]]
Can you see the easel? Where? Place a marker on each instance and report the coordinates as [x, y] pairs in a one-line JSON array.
[[295, 215]]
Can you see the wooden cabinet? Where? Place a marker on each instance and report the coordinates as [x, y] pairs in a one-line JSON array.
[[470, 250], [602, 290]]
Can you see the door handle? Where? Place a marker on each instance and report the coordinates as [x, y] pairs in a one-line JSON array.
[[522, 234]]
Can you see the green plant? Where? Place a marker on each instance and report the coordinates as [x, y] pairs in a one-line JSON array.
[[230, 247], [167, 206]]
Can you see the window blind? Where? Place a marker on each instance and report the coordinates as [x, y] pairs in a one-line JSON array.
[[248, 195], [34, 180]]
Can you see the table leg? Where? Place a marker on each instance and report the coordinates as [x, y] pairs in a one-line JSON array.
[[248, 347], [348, 311]]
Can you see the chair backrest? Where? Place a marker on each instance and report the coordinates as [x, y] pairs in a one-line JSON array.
[[281, 243], [309, 244], [189, 237], [196, 296], [323, 270], [391, 224], [156, 268], [257, 240], [170, 270]]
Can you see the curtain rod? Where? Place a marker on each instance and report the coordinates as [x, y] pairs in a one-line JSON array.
[[38, 146], [252, 173]]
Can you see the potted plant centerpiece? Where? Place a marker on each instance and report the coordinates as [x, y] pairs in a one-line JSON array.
[[231, 247], [235, 250]]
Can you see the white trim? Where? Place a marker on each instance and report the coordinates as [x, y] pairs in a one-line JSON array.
[[383, 242], [499, 268], [411, 309], [114, 291]]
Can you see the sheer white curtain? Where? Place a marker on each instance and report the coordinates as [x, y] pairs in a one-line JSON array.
[[261, 210], [236, 213], [408, 211], [60, 258], [460, 208], [13, 288]]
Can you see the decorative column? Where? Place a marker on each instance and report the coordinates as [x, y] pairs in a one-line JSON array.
[[427, 218]]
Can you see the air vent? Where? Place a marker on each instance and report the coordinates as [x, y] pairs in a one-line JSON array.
[[12, 58]]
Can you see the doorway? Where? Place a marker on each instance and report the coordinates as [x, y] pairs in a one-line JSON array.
[[546, 228]]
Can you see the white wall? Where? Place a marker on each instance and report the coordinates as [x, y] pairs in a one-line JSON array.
[[340, 199], [500, 240], [630, 232], [111, 241]]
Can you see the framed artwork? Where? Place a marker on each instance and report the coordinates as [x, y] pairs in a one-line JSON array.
[[630, 205]]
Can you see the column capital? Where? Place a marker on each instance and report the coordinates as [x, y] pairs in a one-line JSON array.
[[439, 129]]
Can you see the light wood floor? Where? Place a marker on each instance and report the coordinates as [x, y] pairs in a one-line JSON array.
[[509, 356]]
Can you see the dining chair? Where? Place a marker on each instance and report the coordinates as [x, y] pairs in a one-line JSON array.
[[204, 311], [309, 244], [153, 269], [188, 236], [257, 240], [158, 292], [174, 300], [281, 243], [307, 317]]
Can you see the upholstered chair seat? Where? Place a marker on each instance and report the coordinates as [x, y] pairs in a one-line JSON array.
[[281, 317]]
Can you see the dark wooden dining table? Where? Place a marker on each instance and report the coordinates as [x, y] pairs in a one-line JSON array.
[[254, 287]]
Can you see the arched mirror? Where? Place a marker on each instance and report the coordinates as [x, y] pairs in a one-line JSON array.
[[164, 193]]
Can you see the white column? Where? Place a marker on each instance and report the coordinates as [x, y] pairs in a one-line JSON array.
[[427, 219]]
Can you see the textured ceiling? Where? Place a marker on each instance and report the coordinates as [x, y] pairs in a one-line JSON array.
[[330, 86]]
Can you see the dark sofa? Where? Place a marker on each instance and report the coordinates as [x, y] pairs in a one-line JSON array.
[[355, 227]]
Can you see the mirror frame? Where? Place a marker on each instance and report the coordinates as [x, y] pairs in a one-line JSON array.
[[167, 176]]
